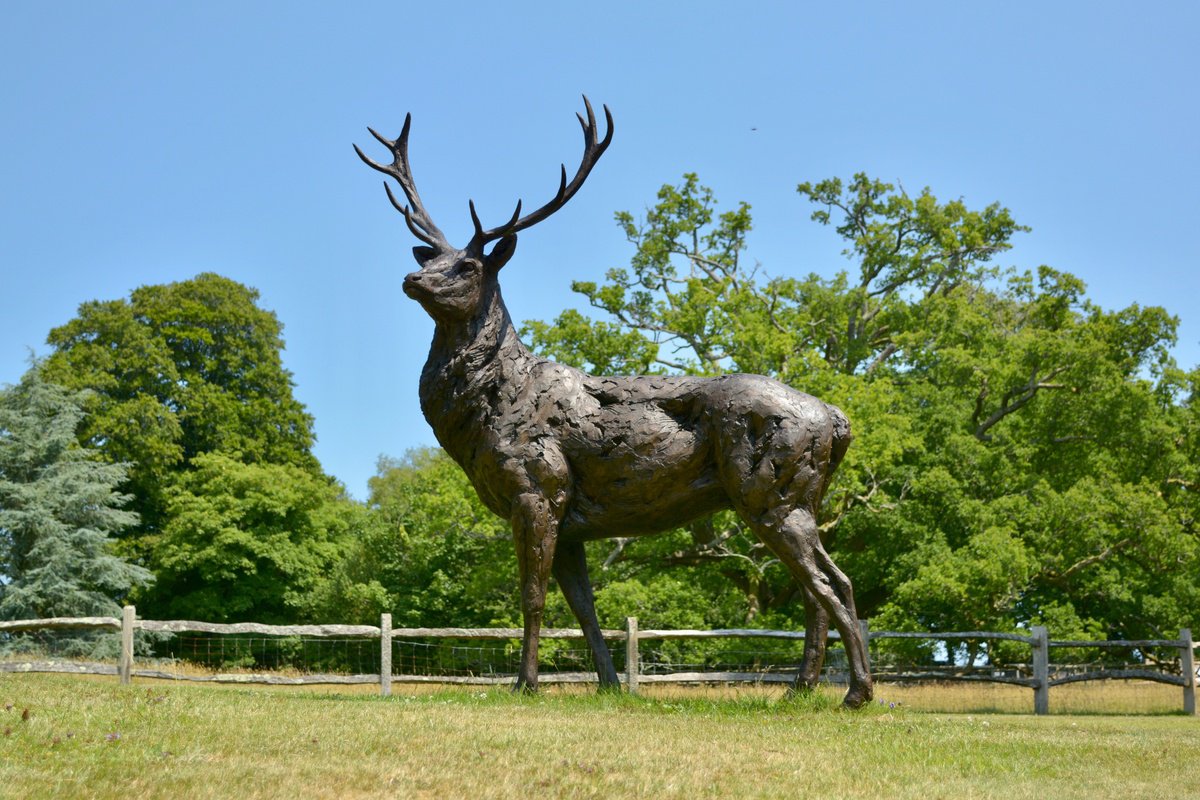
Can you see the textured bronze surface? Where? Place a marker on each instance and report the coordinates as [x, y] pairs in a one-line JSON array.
[[568, 457]]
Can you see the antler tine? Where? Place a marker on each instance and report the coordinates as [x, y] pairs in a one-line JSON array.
[[589, 127], [383, 140], [387, 187], [408, 218], [416, 217], [475, 219], [562, 183], [480, 233], [592, 150]]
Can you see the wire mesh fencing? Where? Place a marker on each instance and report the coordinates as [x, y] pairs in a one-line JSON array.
[[81, 645], [65, 646], [766, 657], [201, 653]]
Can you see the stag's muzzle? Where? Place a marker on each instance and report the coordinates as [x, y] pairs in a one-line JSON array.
[[412, 283]]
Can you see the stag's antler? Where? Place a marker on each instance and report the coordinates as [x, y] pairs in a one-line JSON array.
[[592, 150], [417, 218]]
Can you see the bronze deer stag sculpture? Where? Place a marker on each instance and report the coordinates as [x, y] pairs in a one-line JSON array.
[[567, 457]]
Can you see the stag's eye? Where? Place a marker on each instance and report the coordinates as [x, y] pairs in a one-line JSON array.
[[469, 266]]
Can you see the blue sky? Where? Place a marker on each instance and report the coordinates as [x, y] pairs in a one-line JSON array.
[[145, 142]]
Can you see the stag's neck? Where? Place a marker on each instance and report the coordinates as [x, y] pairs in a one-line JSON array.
[[468, 362]]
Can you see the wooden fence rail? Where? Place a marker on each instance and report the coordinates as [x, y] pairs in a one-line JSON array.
[[1038, 640]]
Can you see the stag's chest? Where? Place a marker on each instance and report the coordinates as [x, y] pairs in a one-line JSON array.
[[477, 410], [488, 427], [455, 413]]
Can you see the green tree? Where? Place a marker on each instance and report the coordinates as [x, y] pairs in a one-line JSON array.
[[907, 251], [176, 371], [441, 556], [59, 509], [1041, 418], [249, 542]]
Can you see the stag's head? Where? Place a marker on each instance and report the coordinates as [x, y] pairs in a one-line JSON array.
[[452, 283]]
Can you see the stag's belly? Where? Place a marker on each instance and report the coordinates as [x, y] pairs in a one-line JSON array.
[[629, 494], [638, 468], [621, 511]]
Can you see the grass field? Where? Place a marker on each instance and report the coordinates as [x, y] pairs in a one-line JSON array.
[[90, 737]]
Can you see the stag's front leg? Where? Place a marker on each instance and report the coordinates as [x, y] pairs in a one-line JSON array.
[[535, 530]]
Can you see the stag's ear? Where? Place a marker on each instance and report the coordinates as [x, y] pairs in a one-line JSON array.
[[502, 252], [423, 254]]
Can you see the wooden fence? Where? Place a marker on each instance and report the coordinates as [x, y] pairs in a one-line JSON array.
[[1039, 680]]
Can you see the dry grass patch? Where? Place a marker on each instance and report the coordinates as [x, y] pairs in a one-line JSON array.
[[1092, 697]]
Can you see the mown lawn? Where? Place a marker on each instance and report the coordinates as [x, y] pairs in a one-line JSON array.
[[93, 738]]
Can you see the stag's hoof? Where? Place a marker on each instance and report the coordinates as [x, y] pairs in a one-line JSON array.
[[858, 696]]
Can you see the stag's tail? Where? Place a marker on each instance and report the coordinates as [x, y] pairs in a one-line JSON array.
[[841, 443]]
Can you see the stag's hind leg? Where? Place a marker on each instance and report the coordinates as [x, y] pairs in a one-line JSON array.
[[794, 537], [571, 572], [816, 631]]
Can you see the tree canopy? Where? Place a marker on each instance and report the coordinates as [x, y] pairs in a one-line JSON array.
[[186, 385], [248, 541], [436, 556], [175, 371]]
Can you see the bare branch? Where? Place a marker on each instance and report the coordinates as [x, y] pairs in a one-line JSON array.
[[1096, 558], [1015, 399], [887, 353], [617, 553]]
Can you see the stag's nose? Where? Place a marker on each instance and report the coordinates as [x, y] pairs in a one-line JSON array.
[[412, 281]]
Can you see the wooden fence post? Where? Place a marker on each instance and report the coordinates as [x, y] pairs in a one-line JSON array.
[[631, 655], [1041, 669], [125, 665], [385, 655], [1187, 661]]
